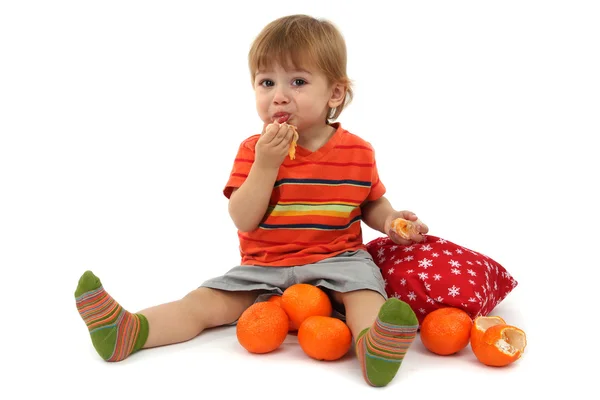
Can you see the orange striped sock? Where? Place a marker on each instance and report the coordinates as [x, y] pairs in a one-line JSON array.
[[382, 347], [115, 332]]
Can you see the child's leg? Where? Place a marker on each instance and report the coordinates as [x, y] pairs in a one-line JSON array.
[[361, 309], [117, 333], [202, 308], [383, 330]]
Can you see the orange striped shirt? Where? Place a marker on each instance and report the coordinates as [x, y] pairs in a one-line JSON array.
[[315, 207]]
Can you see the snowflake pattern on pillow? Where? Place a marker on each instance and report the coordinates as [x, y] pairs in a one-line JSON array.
[[438, 273]]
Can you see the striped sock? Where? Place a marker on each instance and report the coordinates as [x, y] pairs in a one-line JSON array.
[[116, 333], [382, 347]]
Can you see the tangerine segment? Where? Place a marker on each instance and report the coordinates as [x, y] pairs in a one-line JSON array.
[[501, 345], [262, 328], [480, 325]]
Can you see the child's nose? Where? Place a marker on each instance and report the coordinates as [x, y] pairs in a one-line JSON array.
[[281, 96]]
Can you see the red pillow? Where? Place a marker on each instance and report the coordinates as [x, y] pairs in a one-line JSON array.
[[438, 273]]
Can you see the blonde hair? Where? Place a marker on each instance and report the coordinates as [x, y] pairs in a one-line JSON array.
[[305, 41]]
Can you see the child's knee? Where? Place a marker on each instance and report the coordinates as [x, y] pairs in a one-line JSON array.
[[220, 307]]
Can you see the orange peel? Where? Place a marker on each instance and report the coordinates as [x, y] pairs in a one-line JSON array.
[[501, 345], [293, 144], [480, 325]]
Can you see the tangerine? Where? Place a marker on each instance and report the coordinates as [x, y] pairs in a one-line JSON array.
[[324, 338], [277, 300], [500, 345], [262, 328], [302, 300], [404, 228], [446, 330]]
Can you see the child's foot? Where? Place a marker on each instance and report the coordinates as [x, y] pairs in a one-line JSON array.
[[381, 348], [115, 332]]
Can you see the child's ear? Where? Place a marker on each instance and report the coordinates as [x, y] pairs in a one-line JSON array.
[[338, 93]]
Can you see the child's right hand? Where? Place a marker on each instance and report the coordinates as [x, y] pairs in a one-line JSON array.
[[273, 145]]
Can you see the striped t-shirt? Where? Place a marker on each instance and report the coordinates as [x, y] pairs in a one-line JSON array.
[[315, 207]]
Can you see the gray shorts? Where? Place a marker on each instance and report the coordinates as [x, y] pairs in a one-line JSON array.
[[345, 272]]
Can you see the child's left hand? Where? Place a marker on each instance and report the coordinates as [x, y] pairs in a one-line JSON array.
[[410, 216]]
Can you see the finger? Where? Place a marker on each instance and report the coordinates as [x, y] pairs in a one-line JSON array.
[[289, 136], [281, 134], [397, 239], [409, 215], [270, 133], [417, 238], [284, 145], [422, 227]]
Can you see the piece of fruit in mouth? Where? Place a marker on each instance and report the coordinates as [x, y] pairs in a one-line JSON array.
[[283, 118]]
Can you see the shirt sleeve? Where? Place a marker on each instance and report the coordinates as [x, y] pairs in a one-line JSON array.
[[377, 187], [241, 167]]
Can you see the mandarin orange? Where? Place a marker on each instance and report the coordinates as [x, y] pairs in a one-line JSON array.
[[405, 228], [324, 338], [277, 300], [500, 345], [262, 328], [302, 300], [446, 330]]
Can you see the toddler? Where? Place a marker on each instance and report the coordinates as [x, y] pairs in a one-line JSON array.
[[298, 218]]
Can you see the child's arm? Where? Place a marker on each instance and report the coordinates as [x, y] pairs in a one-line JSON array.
[[379, 215], [375, 213], [249, 202]]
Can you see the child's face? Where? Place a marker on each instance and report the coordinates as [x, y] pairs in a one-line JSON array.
[[303, 94]]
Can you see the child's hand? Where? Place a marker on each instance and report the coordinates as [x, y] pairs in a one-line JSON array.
[[417, 236], [273, 145]]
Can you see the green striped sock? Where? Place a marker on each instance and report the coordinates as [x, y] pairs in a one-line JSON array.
[[382, 347], [116, 333]]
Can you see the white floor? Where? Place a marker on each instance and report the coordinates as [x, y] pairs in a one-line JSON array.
[[215, 361], [59, 359]]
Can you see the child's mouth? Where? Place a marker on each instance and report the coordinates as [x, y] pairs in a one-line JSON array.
[[281, 117]]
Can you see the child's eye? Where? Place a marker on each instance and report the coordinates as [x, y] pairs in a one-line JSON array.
[[267, 83], [299, 82]]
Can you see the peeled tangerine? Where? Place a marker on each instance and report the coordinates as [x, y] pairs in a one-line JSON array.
[[405, 228], [496, 343]]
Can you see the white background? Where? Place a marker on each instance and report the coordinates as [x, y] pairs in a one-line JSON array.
[[119, 122]]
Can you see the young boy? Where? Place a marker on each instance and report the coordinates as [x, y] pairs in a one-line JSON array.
[[298, 219]]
